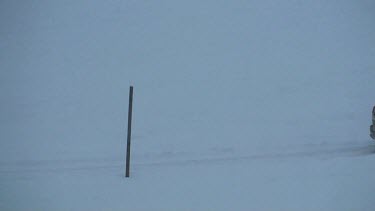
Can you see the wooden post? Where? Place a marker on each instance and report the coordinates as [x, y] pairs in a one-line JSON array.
[[127, 172]]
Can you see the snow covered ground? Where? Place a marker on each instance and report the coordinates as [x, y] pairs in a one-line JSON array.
[[239, 105]]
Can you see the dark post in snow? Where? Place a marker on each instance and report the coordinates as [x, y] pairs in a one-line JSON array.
[[127, 173]]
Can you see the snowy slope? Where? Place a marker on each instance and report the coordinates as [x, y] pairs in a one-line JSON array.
[[239, 105]]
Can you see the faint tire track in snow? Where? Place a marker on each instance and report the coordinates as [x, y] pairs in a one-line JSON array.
[[58, 166], [96, 164], [322, 153]]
